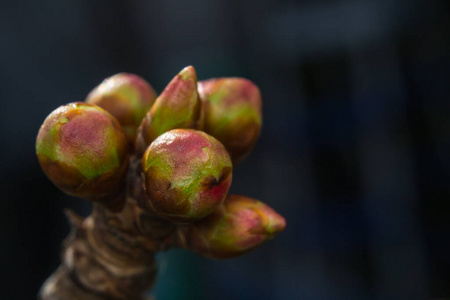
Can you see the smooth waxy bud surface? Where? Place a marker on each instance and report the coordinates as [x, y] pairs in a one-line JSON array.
[[178, 106], [83, 150], [232, 112], [187, 174], [127, 97], [239, 226]]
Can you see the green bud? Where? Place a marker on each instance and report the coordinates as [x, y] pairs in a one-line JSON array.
[[232, 112], [239, 226], [83, 150], [178, 106], [127, 97], [187, 175]]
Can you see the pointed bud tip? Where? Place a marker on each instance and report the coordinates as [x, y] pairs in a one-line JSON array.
[[178, 106], [270, 222], [187, 73], [276, 225], [241, 225]]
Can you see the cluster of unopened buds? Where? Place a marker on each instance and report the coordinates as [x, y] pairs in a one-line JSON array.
[[158, 170]]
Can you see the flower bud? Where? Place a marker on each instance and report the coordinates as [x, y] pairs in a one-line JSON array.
[[178, 106], [127, 97], [187, 175], [239, 226], [232, 112], [83, 150]]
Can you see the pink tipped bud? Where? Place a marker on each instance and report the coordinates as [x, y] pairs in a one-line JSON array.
[[239, 226], [187, 174], [178, 106], [232, 112], [83, 150], [127, 97]]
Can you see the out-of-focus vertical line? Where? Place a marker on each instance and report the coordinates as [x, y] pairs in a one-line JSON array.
[[389, 194]]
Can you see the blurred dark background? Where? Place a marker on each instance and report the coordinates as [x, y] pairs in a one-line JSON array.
[[354, 150]]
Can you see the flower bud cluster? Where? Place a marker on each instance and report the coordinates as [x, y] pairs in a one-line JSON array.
[[186, 140]]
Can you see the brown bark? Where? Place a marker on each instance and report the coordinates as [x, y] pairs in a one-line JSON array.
[[111, 255]]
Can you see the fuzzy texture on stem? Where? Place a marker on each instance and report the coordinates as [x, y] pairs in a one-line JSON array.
[[111, 255]]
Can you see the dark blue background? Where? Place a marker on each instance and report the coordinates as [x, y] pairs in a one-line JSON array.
[[354, 150]]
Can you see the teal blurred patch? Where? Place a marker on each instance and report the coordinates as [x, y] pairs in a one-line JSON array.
[[179, 276]]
